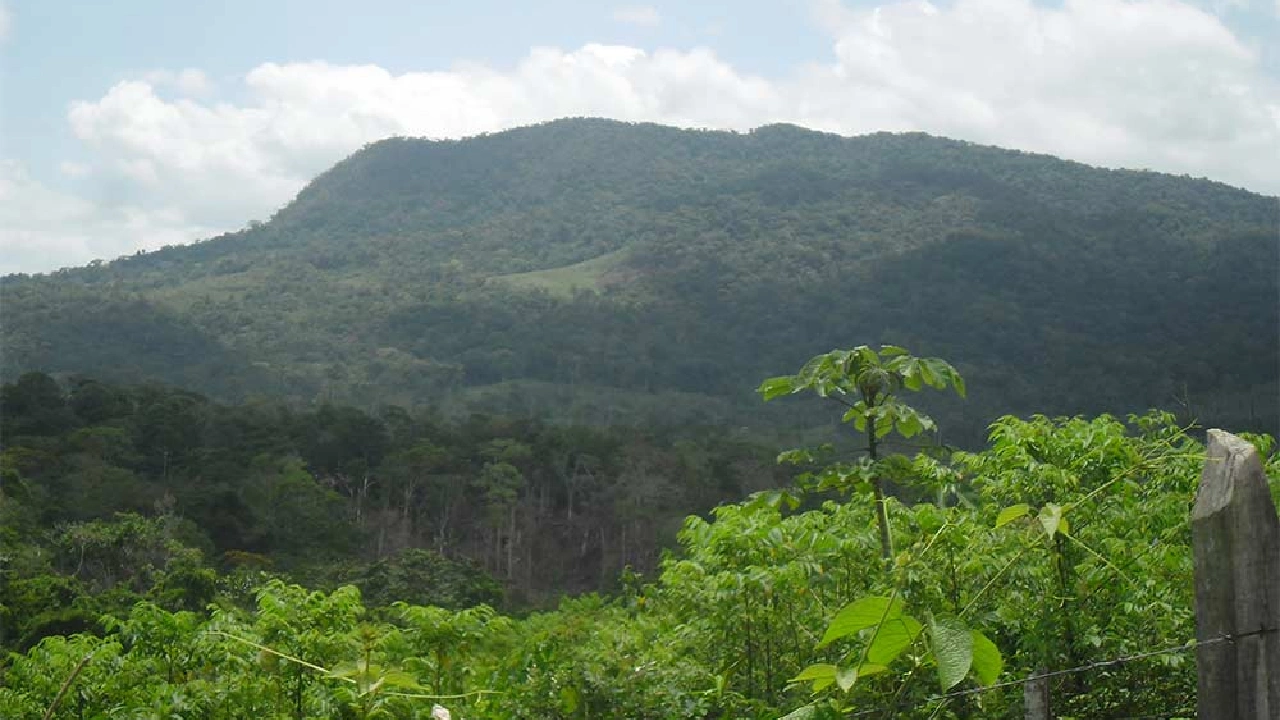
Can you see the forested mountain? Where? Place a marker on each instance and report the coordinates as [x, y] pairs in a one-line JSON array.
[[601, 272]]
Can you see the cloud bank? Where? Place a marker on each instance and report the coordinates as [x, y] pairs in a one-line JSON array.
[[1151, 84]]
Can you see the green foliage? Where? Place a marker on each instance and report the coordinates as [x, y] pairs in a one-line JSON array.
[[117, 494], [867, 382], [760, 607], [872, 379], [602, 272], [425, 577]]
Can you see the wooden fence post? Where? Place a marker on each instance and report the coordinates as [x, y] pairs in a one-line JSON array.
[[1035, 697], [1236, 537]]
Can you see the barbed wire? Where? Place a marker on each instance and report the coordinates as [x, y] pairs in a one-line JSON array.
[[1122, 660]]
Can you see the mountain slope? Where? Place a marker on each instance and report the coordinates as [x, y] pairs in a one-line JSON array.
[[612, 272]]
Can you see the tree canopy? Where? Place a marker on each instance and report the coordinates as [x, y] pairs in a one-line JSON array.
[[599, 272]]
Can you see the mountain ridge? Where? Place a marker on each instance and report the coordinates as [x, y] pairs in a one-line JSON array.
[[729, 256]]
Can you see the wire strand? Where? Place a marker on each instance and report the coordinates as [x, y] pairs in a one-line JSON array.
[[1173, 650]]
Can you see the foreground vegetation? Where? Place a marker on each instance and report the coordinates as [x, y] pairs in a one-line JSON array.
[[1063, 541]]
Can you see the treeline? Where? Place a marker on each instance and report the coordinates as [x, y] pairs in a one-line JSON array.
[[332, 494]]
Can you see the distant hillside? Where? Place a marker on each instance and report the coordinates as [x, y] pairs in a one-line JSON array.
[[608, 272]]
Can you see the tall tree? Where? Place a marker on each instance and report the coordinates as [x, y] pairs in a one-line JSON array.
[[867, 383]]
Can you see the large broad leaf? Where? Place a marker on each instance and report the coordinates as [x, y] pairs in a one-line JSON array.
[[1011, 513], [893, 637], [821, 675], [1052, 520], [869, 669], [952, 645], [776, 387], [944, 372], [913, 375], [818, 671], [860, 615], [885, 416], [987, 663], [909, 423], [845, 677]]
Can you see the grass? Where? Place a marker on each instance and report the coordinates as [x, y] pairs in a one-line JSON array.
[[563, 281]]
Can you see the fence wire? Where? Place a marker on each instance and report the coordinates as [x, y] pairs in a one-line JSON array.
[[1122, 660]]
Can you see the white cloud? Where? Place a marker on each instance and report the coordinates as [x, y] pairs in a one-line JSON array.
[[644, 15], [43, 229], [1151, 83], [189, 82], [74, 169], [223, 163], [1134, 83], [6, 22]]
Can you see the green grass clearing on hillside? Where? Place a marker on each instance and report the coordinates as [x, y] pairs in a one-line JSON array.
[[562, 281]]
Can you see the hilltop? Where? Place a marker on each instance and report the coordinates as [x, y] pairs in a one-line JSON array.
[[605, 272]]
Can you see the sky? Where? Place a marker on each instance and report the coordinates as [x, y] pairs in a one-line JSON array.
[[137, 124]]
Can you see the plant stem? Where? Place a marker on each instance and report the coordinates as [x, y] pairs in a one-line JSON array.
[[877, 488], [66, 685]]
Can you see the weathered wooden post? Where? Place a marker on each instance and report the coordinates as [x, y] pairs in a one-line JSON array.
[[1035, 697], [1236, 535]]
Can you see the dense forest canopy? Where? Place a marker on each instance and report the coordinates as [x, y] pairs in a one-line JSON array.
[[321, 493], [590, 271]]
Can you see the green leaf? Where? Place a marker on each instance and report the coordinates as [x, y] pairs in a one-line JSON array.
[[776, 387], [845, 677], [818, 671], [932, 374], [869, 669], [859, 615], [913, 376], [952, 645], [788, 498], [1052, 520], [1011, 513], [801, 713], [909, 424], [798, 456], [821, 675], [884, 421], [862, 355], [892, 350], [570, 699], [987, 663], [894, 636]]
